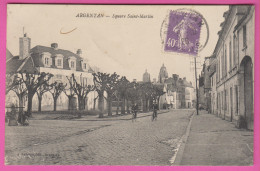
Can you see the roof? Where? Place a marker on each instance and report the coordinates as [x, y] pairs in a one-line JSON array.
[[243, 18], [15, 65], [9, 55], [171, 87], [187, 84], [38, 50]]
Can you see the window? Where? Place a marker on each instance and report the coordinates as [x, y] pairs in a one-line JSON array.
[[222, 100], [59, 62], [47, 61], [230, 55], [234, 50], [225, 100], [225, 60], [244, 36], [231, 101], [236, 99], [72, 64], [59, 76]]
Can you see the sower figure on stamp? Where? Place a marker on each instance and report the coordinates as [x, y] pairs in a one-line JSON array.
[[182, 30]]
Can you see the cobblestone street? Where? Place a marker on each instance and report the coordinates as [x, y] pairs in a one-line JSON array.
[[94, 141]]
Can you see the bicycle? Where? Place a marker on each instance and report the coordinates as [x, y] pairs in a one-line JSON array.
[[134, 114]]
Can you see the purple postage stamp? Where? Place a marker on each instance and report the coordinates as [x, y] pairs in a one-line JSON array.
[[183, 32]]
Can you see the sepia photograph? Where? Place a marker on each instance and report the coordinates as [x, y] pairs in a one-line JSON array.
[[129, 85]]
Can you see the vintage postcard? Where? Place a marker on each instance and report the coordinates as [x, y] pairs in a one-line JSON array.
[[135, 85]]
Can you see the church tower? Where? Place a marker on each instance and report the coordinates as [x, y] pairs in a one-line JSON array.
[[146, 77], [163, 74]]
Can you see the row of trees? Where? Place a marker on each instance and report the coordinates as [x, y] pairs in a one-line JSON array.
[[109, 87]]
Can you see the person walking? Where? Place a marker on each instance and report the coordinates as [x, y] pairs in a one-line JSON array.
[[134, 111]]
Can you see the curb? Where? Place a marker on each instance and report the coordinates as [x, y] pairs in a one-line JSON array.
[[180, 151]]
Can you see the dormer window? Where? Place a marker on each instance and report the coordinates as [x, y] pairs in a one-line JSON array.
[[72, 62], [46, 59], [58, 60], [84, 65]]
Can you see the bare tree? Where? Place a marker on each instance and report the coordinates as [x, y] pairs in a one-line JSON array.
[[20, 90], [81, 90], [10, 82], [56, 89], [158, 92], [70, 94], [32, 82], [40, 91], [105, 83], [121, 89]]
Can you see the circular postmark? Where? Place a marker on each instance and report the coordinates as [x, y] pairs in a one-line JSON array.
[[184, 31]]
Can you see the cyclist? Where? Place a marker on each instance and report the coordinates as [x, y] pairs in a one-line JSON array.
[[155, 108], [134, 111]]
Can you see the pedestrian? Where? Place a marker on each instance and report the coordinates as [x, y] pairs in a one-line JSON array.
[[134, 110], [155, 108]]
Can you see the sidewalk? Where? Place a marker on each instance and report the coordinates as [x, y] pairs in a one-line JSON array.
[[216, 142]]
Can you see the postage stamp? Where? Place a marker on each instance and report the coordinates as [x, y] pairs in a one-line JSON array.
[[183, 33]]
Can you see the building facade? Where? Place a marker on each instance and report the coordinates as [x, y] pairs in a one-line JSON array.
[[59, 62], [235, 65]]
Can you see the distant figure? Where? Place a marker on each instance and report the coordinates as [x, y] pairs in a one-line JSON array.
[[134, 111], [155, 108]]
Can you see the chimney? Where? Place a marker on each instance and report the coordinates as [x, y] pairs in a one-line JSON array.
[[79, 52], [25, 46], [184, 78], [134, 80], [54, 46]]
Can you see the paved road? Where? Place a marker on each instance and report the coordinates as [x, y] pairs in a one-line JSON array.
[[111, 141]]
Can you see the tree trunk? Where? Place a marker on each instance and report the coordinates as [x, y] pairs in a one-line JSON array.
[[127, 108], [123, 106], [29, 107], [117, 106], [20, 97], [109, 105], [55, 103], [69, 104], [20, 113], [81, 103], [101, 105], [158, 102], [39, 103]]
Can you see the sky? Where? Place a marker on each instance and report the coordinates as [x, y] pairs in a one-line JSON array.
[[127, 46]]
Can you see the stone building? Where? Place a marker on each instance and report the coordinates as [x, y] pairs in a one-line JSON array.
[[163, 74], [213, 90], [180, 92], [146, 77], [59, 62], [234, 53], [205, 85]]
